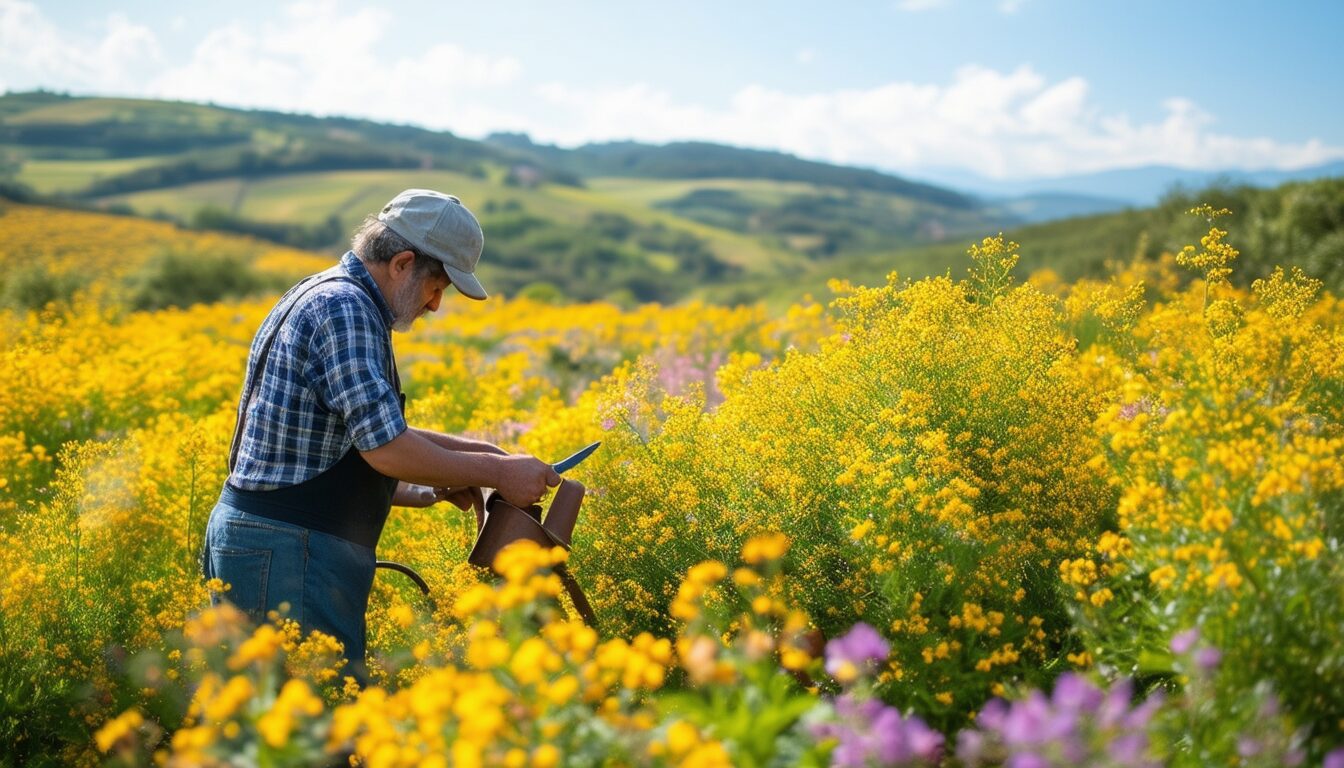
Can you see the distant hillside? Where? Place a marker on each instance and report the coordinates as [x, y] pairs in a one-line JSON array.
[[626, 221], [51, 254], [187, 143], [1052, 206], [700, 160], [1137, 187], [1297, 224]]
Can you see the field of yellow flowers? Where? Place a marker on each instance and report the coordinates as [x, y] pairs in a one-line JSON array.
[[984, 521]]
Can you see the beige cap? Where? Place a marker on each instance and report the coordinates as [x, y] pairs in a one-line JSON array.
[[441, 226]]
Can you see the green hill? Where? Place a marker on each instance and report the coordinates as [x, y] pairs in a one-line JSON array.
[[1297, 224], [626, 221]]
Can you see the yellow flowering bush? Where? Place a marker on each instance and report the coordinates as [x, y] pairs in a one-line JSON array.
[[525, 686], [1224, 441], [1005, 480], [929, 461]]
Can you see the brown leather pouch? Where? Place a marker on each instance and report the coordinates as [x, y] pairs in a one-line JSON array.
[[505, 524]]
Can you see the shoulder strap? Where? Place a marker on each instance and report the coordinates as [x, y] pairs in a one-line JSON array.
[[249, 389]]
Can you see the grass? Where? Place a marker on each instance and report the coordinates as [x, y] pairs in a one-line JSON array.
[[90, 111], [57, 176], [650, 191], [308, 198]]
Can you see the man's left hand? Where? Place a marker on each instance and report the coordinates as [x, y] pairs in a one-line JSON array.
[[462, 498], [420, 496]]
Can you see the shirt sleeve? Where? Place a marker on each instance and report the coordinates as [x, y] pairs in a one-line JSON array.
[[347, 369]]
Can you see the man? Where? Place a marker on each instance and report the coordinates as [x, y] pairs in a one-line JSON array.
[[322, 450]]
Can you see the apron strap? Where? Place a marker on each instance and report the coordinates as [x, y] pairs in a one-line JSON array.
[[249, 390]]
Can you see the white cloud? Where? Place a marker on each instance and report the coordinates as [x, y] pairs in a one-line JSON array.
[[1000, 124], [317, 58], [321, 60], [34, 52], [914, 6], [1010, 7]]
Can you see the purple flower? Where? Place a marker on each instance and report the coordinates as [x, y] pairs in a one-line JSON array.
[[870, 733], [970, 746], [1079, 724], [993, 714], [1027, 760], [1138, 718], [1207, 658], [859, 647], [1335, 759], [1184, 641], [1074, 693], [1128, 749], [1115, 707]]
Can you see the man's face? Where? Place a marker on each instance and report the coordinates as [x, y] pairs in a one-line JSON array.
[[419, 292]]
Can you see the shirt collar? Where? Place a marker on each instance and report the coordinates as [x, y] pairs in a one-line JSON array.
[[356, 269]]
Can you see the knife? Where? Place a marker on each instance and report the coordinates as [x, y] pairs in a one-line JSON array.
[[565, 465]]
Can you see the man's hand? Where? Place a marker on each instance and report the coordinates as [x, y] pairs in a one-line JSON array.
[[416, 459], [462, 498], [412, 495], [523, 480], [419, 496]]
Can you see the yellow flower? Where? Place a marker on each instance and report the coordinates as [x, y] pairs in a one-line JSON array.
[[765, 548], [117, 729], [545, 756]]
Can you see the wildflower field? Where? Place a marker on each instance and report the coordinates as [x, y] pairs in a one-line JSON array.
[[979, 521]]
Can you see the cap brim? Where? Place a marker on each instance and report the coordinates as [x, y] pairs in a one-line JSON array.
[[466, 283]]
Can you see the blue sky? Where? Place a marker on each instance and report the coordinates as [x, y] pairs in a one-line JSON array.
[[1003, 88]]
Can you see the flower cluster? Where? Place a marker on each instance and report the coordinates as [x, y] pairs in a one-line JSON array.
[[1077, 724]]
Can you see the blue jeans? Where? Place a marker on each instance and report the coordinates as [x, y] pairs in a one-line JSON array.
[[323, 580]]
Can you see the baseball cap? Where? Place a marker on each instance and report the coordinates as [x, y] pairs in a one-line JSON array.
[[441, 226]]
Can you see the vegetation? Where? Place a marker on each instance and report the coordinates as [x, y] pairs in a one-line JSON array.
[[51, 256], [1297, 224], [889, 531], [722, 223], [700, 160]]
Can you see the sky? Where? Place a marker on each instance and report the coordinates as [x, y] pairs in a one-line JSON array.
[[1004, 89]]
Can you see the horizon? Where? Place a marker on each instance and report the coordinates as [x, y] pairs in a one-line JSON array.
[[594, 74]]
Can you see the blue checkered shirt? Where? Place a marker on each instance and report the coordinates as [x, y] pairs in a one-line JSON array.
[[327, 385]]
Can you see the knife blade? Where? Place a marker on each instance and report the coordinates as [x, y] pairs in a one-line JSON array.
[[567, 464]]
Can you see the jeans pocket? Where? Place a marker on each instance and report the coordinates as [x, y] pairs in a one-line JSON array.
[[247, 572]]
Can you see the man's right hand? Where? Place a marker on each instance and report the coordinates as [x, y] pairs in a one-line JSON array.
[[523, 479]]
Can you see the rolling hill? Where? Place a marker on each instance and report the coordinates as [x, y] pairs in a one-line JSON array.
[[624, 221], [659, 222]]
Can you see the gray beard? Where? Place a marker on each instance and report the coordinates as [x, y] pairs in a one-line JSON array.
[[406, 306]]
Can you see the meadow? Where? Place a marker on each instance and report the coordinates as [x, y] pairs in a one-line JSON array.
[[997, 519]]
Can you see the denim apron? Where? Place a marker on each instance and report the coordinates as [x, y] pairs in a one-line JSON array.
[[308, 548]]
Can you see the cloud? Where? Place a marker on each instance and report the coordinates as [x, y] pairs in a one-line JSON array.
[[915, 6], [1010, 7], [1000, 123], [33, 51], [315, 58], [319, 59]]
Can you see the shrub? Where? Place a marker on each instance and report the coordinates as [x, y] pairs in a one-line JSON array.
[[179, 279]]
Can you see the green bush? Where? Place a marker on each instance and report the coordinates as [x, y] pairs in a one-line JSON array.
[[34, 287], [174, 279]]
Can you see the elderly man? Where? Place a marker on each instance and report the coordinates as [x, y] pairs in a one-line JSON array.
[[322, 450]]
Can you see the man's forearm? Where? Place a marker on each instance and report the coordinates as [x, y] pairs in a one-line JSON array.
[[521, 479], [458, 443], [416, 458]]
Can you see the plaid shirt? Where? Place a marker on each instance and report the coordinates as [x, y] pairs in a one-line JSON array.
[[328, 382]]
